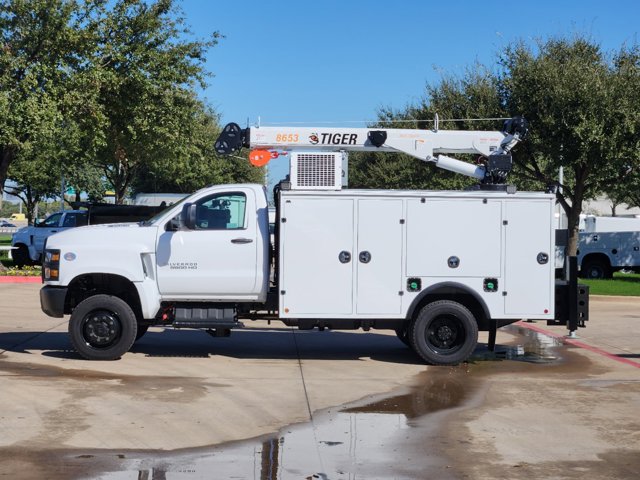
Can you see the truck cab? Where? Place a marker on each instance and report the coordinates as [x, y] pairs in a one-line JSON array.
[[197, 258]]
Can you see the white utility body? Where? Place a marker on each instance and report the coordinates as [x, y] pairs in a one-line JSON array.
[[435, 266], [392, 237]]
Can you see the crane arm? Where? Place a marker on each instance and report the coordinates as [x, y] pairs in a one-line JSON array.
[[427, 145]]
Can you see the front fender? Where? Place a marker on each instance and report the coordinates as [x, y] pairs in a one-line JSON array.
[[149, 297]]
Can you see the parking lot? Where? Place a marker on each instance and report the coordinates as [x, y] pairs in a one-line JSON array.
[[274, 402]]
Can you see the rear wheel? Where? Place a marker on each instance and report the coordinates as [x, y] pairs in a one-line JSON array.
[[444, 333], [595, 269], [102, 327]]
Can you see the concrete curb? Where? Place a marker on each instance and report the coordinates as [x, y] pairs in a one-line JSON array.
[[10, 279]]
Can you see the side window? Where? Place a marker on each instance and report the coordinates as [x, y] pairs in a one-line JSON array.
[[52, 221], [82, 220], [69, 220], [74, 220], [221, 212]]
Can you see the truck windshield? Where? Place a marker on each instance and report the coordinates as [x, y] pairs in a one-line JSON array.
[[51, 221]]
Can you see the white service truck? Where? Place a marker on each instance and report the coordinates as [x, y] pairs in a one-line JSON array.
[[435, 266], [608, 245]]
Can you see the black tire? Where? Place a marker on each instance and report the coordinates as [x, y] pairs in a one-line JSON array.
[[444, 333], [403, 335], [595, 269], [21, 256], [102, 327], [142, 329]]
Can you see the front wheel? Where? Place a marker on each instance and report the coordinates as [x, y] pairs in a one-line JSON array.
[[102, 327], [20, 256], [444, 333]]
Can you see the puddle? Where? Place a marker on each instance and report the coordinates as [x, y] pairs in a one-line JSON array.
[[392, 436], [372, 438], [532, 347]]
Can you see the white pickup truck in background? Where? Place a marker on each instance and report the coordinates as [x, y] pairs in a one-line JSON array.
[[29, 242]]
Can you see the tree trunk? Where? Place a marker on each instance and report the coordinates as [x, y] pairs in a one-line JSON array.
[[573, 224], [7, 155]]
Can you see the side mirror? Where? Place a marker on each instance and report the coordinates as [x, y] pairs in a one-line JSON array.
[[173, 225], [188, 216]]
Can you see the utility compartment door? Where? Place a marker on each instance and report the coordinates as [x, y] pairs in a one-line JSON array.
[[316, 279], [379, 256], [529, 284], [454, 238]]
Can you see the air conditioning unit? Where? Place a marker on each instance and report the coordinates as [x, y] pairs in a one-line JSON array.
[[318, 170]]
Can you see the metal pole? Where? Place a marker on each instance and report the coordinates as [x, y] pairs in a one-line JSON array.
[[561, 214], [62, 193]]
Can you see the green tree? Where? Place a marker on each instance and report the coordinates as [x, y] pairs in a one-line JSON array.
[[35, 178], [193, 163], [627, 93], [582, 105], [474, 95], [148, 73], [42, 43], [582, 117]]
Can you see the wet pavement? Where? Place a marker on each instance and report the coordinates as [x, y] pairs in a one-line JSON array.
[[398, 435], [535, 408]]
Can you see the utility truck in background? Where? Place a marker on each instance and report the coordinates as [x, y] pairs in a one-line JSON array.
[[435, 266], [608, 245]]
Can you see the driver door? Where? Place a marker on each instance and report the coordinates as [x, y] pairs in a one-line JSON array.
[[217, 259], [44, 230]]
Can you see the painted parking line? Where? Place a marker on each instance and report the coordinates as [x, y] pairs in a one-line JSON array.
[[579, 344]]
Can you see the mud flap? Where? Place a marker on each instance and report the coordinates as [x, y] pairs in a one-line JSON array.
[[571, 299]]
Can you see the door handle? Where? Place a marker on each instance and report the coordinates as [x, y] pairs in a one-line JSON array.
[[242, 240]]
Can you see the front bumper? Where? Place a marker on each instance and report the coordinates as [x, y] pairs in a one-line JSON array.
[[52, 300]]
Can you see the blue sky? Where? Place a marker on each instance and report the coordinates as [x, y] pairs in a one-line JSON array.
[[295, 61], [340, 61]]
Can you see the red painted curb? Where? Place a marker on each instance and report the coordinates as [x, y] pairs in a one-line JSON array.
[[579, 344], [8, 279]]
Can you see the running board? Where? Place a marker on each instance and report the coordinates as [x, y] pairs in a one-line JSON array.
[[204, 316]]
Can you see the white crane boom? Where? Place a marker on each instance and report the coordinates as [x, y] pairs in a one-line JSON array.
[[426, 145]]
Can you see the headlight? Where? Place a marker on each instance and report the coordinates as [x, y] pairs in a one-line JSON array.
[[51, 265]]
